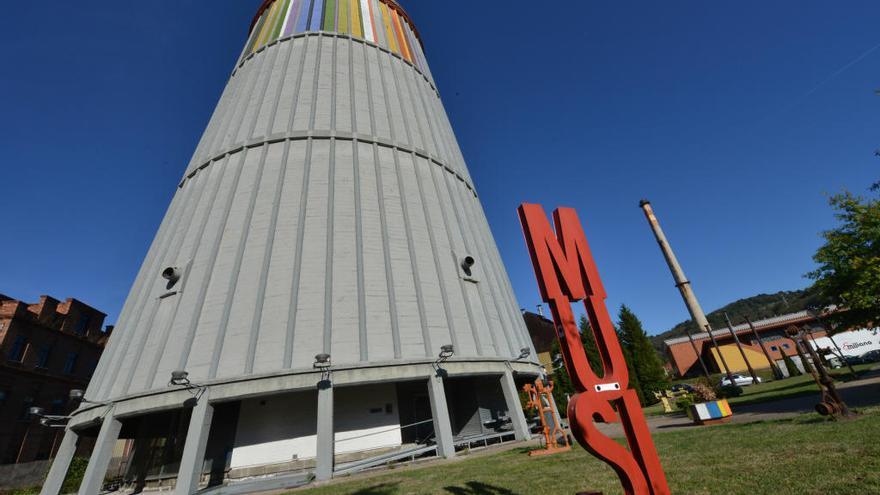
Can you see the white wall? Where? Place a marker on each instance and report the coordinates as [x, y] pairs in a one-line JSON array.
[[275, 429], [362, 421], [852, 343], [282, 428]]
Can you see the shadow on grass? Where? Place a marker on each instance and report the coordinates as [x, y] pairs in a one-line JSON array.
[[383, 489], [477, 488]]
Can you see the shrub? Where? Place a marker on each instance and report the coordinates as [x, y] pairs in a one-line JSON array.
[[703, 393], [684, 402]]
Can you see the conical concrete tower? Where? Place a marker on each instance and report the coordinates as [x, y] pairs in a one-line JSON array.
[[326, 230]]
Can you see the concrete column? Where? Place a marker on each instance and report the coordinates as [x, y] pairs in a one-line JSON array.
[[440, 414], [324, 462], [93, 479], [66, 451], [514, 408], [193, 459]]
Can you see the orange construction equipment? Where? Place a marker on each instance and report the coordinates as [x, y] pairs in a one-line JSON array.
[[541, 399]]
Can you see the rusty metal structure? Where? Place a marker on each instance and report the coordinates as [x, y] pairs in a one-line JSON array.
[[831, 403], [566, 273], [541, 400]]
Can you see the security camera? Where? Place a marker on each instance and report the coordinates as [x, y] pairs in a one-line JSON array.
[[467, 263]]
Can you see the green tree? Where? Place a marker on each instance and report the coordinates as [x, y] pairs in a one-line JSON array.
[[645, 365], [790, 366], [562, 382], [849, 262]]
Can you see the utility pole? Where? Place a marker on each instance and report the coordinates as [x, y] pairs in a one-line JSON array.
[[776, 373], [697, 352], [681, 282], [741, 350]]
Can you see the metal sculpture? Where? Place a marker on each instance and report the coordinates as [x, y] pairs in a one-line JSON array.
[[567, 273], [541, 400]]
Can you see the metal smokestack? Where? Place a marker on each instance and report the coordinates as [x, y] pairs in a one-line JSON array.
[[684, 286]]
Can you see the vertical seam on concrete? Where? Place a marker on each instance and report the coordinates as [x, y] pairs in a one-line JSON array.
[[386, 243], [359, 246], [295, 97], [270, 123], [488, 274], [426, 335], [241, 110], [358, 208], [236, 269], [294, 293], [450, 323], [267, 258], [466, 234], [214, 193], [189, 211], [212, 260], [297, 264], [261, 99], [369, 84], [328, 262], [475, 330], [331, 197]]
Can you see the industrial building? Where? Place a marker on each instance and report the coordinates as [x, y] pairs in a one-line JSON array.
[[324, 293], [771, 332]]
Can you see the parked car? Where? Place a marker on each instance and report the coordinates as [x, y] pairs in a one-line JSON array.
[[682, 387], [851, 360], [871, 357], [739, 380]]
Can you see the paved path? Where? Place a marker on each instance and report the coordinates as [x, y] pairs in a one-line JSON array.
[[857, 393]]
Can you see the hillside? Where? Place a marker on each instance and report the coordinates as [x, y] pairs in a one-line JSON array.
[[755, 307]]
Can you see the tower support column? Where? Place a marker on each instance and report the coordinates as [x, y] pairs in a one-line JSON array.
[[66, 451], [100, 460], [193, 460], [326, 441], [440, 414], [514, 408]]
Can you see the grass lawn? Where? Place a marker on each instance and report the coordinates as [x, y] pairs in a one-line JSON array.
[[804, 455], [779, 389]]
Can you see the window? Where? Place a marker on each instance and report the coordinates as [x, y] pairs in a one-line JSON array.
[[82, 325], [785, 346], [774, 348], [43, 356], [18, 346], [70, 364]]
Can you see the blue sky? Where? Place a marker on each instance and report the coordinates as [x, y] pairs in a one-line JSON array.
[[735, 118]]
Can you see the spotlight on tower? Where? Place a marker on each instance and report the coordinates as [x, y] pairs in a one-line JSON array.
[[524, 353], [322, 361], [179, 378], [446, 352], [467, 264], [171, 274]]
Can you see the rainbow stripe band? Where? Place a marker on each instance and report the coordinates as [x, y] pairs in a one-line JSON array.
[[378, 21]]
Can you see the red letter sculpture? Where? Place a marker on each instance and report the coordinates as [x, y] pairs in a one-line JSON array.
[[567, 273]]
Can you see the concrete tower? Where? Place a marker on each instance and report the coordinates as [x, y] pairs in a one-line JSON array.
[[323, 248]]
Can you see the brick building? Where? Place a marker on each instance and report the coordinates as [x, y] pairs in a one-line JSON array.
[[771, 331], [46, 350]]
